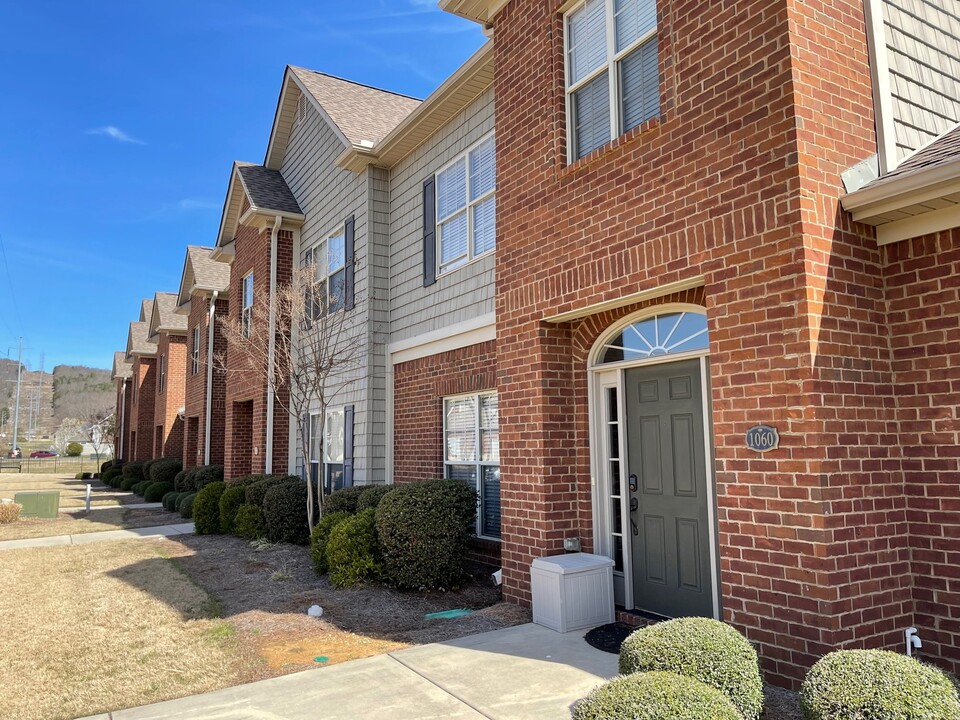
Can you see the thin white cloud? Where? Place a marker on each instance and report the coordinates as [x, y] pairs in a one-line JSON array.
[[116, 133]]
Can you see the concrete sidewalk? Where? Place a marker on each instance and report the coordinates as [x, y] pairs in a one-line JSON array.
[[131, 506], [520, 672], [105, 536]]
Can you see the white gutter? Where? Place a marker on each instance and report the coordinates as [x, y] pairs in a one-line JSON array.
[[208, 421], [272, 347]]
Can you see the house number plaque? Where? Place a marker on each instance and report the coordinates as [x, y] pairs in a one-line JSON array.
[[763, 438]]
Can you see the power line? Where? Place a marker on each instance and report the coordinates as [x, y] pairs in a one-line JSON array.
[[13, 294]]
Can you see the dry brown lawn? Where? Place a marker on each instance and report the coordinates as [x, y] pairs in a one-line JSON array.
[[114, 518], [94, 628], [72, 492]]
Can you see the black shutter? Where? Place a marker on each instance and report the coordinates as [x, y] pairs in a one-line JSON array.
[[348, 268], [348, 446], [429, 231]]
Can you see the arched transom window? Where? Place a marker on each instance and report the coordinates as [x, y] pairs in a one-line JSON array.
[[656, 336]]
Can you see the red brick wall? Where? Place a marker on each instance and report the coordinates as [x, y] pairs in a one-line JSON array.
[[730, 184], [243, 385], [196, 384], [169, 440], [141, 416], [124, 388], [923, 293]]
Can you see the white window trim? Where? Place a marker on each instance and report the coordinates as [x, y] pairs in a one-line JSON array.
[[611, 68], [195, 352], [162, 374], [322, 460], [470, 257], [339, 230], [477, 449], [246, 311]]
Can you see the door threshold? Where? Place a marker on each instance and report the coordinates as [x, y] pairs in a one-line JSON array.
[[638, 618]]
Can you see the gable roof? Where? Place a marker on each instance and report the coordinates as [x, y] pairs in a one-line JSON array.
[[139, 342], [165, 317], [359, 114], [267, 193], [122, 368], [146, 309], [201, 273]]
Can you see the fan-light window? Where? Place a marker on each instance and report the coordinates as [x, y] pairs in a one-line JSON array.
[[657, 336]]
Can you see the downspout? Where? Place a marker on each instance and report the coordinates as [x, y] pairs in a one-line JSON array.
[[208, 420], [272, 347], [123, 413]]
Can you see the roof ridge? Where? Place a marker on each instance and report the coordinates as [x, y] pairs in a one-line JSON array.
[[358, 84]]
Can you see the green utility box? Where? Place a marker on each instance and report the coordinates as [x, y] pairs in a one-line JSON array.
[[45, 504]]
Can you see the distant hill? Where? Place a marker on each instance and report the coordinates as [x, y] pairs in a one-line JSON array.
[[80, 391]]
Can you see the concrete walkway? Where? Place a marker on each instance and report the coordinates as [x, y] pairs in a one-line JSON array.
[[131, 506], [521, 672], [94, 537]]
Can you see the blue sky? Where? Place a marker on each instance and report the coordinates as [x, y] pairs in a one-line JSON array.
[[120, 120]]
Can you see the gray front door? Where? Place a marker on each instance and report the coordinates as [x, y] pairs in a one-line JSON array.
[[669, 517]]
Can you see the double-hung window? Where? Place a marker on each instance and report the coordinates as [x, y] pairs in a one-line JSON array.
[[327, 448], [329, 258], [471, 438], [195, 352], [613, 73], [162, 374], [246, 310], [467, 206]]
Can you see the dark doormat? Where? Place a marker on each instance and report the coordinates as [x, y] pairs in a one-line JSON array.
[[609, 637]]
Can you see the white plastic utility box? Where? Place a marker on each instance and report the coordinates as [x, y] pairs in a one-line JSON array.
[[572, 592]]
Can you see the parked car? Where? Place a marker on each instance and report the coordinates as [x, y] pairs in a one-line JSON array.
[[43, 454]]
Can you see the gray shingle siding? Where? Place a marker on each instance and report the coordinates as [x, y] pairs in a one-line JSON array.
[[457, 296]]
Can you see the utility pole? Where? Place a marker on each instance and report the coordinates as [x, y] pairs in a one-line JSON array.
[[16, 411]]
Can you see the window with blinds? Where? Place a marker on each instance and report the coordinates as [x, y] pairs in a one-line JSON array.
[[613, 73], [466, 206], [471, 437]]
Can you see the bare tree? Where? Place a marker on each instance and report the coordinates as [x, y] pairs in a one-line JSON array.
[[99, 431], [315, 354]]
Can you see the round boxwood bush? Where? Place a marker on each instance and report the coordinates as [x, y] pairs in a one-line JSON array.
[[230, 502], [155, 491], [319, 537], [141, 487], [353, 553], [128, 483], [703, 649], [147, 464], [169, 501], [206, 509], [179, 481], [165, 469], [655, 696], [133, 470], [371, 496], [424, 531], [109, 474], [343, 500], [184, 500], [245, 480], [249, 523], [203, 475], [257, 491], [879, 685], [285, 513]]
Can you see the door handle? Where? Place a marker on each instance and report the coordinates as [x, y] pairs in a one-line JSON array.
[[634, 504]]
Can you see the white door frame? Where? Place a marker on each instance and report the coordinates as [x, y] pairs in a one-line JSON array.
[[603, 377]]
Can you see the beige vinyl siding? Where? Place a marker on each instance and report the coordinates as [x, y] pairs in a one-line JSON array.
[[328, 195], [461, 294], [922, 39]]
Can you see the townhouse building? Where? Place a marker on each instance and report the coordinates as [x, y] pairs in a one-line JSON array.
[[121, 374], [203, 299], [169, 330], [707, 369], [142, 354]]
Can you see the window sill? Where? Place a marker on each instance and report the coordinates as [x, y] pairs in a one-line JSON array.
[[473, 261], [601, 152]]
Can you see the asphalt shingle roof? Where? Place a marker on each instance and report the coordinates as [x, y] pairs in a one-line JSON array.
[[267, 189], [364, 114], [167, 317], [941, 151], [122, 368], [208, 274], [139, 342]]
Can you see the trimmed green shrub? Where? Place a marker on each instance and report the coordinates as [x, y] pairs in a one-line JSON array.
[[203, 475], [78, 476], [74, 449], [206, 509], [230, 502], [165, 469], [249, 523], [133, 470], [879, 685], [257, 491], [424, 531], [156, 490], [104, 466], [185, 505], [128, 483], [655, 696], [181, 499], [245, 480], [343, 500], [285, 512], [169, 501], [319, 537], [371, 496], [703, 649], [147, 464], [107, 476], [178, 480], [353, 554], [141, 487]]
